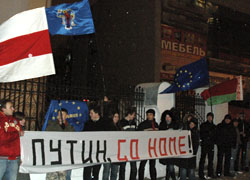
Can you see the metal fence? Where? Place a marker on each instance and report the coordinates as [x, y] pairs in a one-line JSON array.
[[188, 102], [28, 97], [33, 98]]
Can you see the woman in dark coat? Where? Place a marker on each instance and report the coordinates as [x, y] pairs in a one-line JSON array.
[[187, 165], [112, 125], [168, 123]]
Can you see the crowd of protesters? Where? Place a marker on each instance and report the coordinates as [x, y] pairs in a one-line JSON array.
[[231, 136]]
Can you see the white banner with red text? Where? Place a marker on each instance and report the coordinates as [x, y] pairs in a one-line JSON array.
[[43, 152]]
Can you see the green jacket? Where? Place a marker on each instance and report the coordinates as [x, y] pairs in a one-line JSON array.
[[54, 126]]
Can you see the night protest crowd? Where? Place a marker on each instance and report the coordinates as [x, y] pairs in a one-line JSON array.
[[231, 136]]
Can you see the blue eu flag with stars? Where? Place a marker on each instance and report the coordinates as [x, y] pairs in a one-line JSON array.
[[70, 19], [190, 76], [78, 113]]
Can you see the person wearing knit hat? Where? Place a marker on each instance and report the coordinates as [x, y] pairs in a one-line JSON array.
[[188, 165], [148, 125], [207, 137], [225, 140]]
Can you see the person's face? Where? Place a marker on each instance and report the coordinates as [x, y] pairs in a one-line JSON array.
[[241, 116], [132, 116], [227, 121], [61, 117], [236, 123], [116, 118], [189, 118], [150, 116], [93, 115], [168, 118], [22, 122], [191, 125], [210, 118], [9, 109]]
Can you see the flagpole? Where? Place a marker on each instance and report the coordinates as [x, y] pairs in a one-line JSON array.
[[209, 85]]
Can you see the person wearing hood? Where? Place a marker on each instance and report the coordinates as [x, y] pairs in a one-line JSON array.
[[207, 137], [168, 123], [225, 140]]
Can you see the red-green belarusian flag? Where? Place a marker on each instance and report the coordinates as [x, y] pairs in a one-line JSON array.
[[221, 93]]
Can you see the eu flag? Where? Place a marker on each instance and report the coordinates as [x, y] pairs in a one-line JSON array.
[[78, 113], [70, 19], [190, 76]]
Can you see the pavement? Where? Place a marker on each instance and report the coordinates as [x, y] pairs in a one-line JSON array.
[[243, 176]]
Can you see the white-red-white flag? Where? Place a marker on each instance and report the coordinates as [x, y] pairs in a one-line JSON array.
[[25, 49]]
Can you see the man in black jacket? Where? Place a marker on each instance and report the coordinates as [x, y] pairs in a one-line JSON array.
[[225, 140], [207, 137], [148, 125], [128, 124], [96, 123]]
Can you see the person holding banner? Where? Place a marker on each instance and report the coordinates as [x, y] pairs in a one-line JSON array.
[[148, 125], [168, 123], [128, 124], [10, 132], [187, 165], [96, 123], [60, 125], [20, 116], [112, 125]]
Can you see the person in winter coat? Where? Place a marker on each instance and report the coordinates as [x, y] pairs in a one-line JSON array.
[[60, 124], [112, 125], [148, 125], [187, 165], [207, 137], [128, 124], [96, 123], [244, 135], [168, 123], [234, 163], [10, 132], [225, 140]]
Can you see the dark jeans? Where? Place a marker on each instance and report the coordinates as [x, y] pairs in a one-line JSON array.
[[170, 172], [206, 151], [243, 150], [184, 173], [133, 171], [152, 169], [234, 164], [223, 151], [91, 171]]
